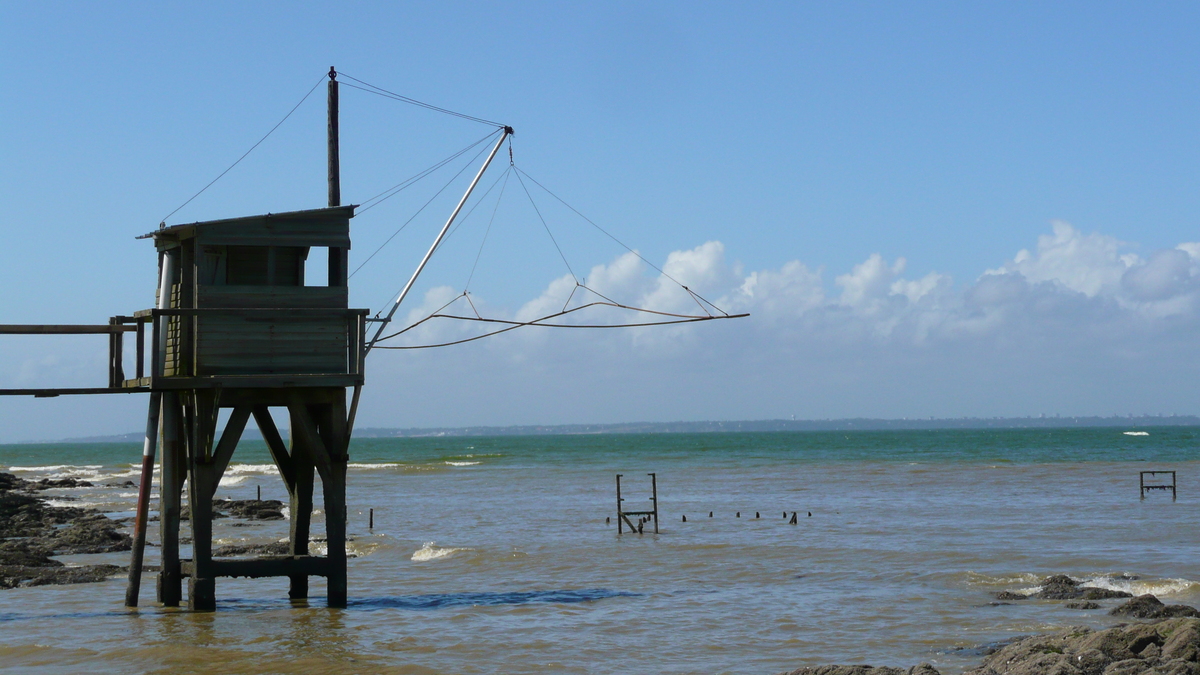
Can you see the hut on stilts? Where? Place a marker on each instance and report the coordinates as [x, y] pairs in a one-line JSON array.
[[237, 329]]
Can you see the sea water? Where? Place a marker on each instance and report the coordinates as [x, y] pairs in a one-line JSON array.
[[494, 554]]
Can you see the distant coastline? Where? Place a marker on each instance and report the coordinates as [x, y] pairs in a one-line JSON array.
[[849, 424]]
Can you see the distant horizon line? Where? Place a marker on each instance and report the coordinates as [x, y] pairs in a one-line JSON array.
[[732, 426]]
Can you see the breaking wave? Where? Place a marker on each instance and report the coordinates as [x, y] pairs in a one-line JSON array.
[[431, 552]]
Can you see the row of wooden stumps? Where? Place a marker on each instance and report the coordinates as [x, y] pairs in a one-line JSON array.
[[757, 514], [319, 441]]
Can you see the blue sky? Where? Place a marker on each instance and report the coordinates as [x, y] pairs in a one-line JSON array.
[[798, 151]]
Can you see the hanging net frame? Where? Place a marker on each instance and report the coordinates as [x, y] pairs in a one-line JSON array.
[[453, 310], [589, 298]]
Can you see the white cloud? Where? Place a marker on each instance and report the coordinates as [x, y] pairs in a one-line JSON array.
[[867, 286], [785, 293], [1077, 324], [1070, 278], [1090, 264]]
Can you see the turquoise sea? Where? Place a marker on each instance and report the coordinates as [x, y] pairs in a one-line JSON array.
[[492, 554]]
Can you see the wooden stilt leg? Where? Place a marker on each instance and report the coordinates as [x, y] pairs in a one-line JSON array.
[[335, 532], [174, 464], [301, 505], [202, 590], [314, 426], [201, 485], [333, 432]]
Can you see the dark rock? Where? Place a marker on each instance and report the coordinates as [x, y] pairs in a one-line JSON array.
[[1170, 646], [1082, 605], [11, 482], [24, 515], [923, 669], [127, 483], [231, 550], [1092, 593], [26, 553], [1183, 643], [95, 534], [1149, 607], [1063, 587], [12, 576], [47, 483], [1009, 595], [252, 509]]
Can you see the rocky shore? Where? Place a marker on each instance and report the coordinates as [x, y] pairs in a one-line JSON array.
[[32, 531], [1167, 644]]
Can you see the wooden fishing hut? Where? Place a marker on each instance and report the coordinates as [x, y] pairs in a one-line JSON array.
[[240, 331], [236, 329]]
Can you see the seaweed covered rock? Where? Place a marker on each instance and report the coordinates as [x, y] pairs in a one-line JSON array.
[[1063, 587], [26, 553], [251, 509], [30, 534], [48, 483], [11, 482], [24, 515], [1170, 646], [91, 534], [232, 550], [12, 576], [1149, 607], [923, 669]]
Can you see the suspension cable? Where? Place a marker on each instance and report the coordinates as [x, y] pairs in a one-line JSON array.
[[380, 91], [414, 216], [409, 182], [163, 222]]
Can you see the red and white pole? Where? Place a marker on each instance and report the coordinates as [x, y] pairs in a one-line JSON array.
[[150, 444]]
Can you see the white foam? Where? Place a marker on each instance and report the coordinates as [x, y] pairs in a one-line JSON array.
[[978, 578], [1157, 587], [57, 467], [452, 463], [384, 465], [1137, 433], [251, 468], [431, 552]]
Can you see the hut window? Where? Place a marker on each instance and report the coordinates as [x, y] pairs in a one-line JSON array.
[[253, 265], [314, 269], [247, 266], [210, 266], [289, 265], [323, 260]]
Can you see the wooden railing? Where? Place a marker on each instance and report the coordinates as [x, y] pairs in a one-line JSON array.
[[149, 366], [115, 330]]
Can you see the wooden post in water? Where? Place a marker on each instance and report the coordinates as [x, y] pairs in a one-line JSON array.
[[654, 498], [619, 516]]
